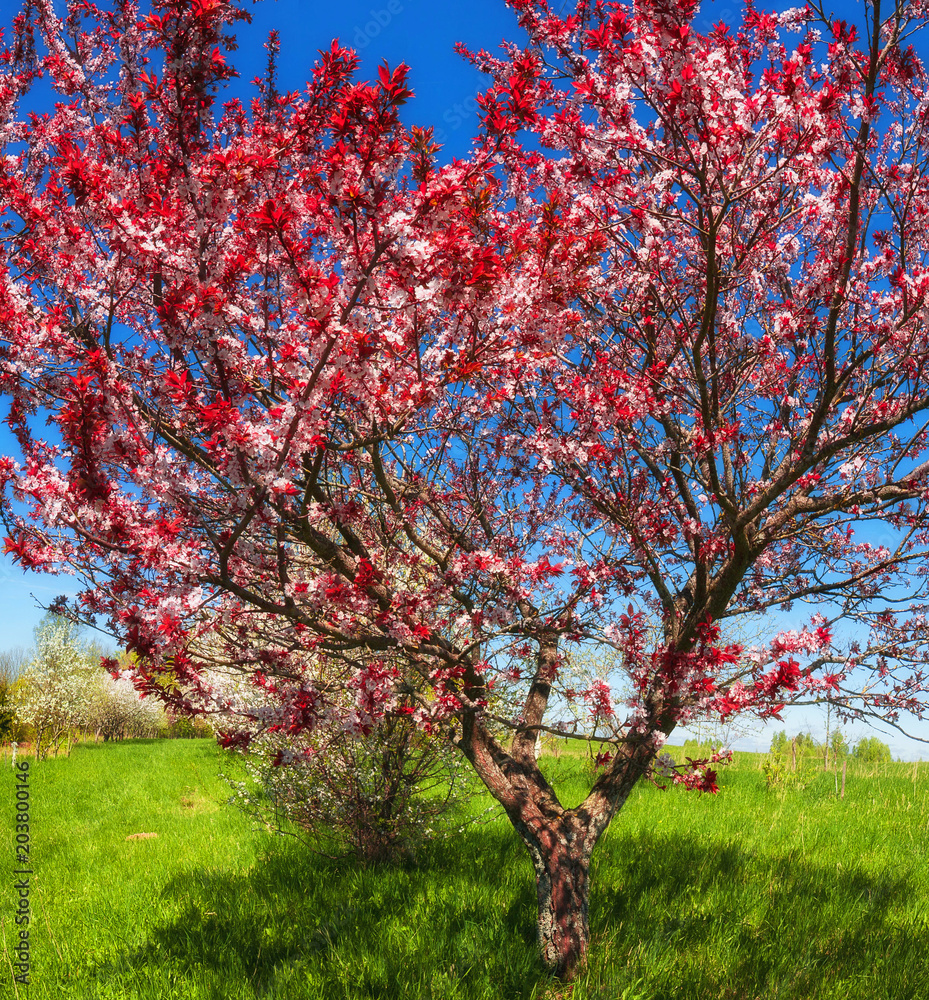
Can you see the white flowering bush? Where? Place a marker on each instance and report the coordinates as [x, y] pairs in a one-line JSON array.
[[56, 691], [119, 712]]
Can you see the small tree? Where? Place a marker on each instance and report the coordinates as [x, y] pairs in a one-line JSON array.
[[839, 746], [650, 354], [789, 762], [777, 765], [118, 711], [56, 690]]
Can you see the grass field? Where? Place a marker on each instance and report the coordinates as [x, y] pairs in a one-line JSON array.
[[749, 894]]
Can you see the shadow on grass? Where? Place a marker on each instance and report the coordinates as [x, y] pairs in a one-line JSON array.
[[738, 924], [298, 922], [461, 922]]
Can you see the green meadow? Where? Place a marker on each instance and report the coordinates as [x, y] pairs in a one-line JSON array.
[[753, 893]]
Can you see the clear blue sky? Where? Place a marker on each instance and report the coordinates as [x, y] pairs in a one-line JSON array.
[[422, 34]]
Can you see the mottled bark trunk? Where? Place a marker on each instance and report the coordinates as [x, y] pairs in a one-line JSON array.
[[560, 841], [562, 889]]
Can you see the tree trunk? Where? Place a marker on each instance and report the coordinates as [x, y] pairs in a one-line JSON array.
[[560, 841], [563, 890]]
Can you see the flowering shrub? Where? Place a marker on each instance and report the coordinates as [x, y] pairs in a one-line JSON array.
[[378, 796], [56, 690]]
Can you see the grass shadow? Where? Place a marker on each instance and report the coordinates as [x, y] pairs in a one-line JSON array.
[[723, 921], [692, 916], [297, 924]]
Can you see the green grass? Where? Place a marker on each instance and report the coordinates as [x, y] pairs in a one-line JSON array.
[[749, 894]]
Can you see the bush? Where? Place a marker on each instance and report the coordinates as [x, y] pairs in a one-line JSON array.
[[183, 728], [378, 796]]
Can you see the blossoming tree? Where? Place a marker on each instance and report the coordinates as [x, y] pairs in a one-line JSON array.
[[54, 694], [641, 364], [117, 711]]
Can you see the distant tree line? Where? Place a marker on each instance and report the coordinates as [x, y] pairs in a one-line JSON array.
[[869, 749], [790, 758]]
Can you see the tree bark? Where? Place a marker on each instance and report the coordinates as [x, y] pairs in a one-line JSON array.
[[560, 841], [562, 881]]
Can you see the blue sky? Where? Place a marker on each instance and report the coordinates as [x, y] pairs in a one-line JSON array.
[[422, 34]]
